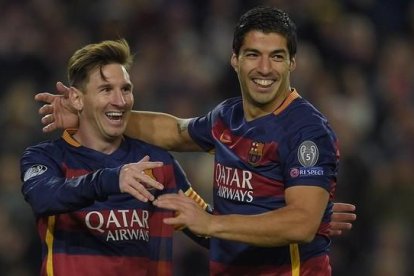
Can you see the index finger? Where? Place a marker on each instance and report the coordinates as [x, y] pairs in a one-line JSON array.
[[171, 202], [145, 165], [181, 197], [44, 97]]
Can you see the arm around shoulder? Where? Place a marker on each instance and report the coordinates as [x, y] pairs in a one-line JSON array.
[[161, 129]]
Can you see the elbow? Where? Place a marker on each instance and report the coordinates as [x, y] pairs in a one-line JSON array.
[[40, 206], [304, 234], [38, 210], [169, 146], [38, 200], [307, 238]]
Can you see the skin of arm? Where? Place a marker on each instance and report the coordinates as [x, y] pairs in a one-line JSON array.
[[161, 129], [297, 222]]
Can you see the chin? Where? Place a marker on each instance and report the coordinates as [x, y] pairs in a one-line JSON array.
[[260, 101]]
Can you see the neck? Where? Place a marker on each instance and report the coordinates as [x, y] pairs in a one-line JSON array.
[[255, 111], [107, 146]]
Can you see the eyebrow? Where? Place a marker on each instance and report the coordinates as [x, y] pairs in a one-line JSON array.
[[128, 85], [104, 85], [277, 51]]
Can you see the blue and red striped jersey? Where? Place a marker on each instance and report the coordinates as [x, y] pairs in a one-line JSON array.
[[254, 163], [86, 225]]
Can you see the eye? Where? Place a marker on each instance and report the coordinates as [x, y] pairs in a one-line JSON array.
[[127, 89], [105, 89], [250, 54], [279, 57]]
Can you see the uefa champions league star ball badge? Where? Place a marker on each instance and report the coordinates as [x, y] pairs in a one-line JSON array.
[[308, 154]]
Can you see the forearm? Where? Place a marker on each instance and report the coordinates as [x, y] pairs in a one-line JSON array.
[[55, 195], [276, 228], [161, 129], [297, 222]]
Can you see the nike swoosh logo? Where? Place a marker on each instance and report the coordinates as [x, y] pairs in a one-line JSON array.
[[224, 138]]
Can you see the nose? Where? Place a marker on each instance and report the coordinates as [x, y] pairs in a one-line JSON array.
[[264, 65], [118, 98]]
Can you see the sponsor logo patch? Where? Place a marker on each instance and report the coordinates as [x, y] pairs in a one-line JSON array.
[[35, 170], [300, 172]]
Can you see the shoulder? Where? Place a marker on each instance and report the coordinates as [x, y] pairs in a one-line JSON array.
[[154, 152], [302, 121], [229, 104], [223, 109], [303, 113], [226, 108], [47, 152], [49, 147]]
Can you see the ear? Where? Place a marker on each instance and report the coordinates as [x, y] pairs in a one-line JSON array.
[[234, 62], [76, 98], [292, 64]]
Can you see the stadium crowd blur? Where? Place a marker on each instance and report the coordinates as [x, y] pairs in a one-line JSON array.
[[355, 63]]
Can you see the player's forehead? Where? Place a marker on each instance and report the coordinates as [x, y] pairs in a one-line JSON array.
[[270, 41], [113, 73]]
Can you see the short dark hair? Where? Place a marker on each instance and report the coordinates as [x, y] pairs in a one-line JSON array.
[[267, 20], [97, 55]]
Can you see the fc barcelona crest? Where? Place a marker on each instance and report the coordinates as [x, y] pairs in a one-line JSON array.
[[255, 153]]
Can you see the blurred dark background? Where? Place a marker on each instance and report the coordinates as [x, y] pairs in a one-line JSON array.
[[355, 63]]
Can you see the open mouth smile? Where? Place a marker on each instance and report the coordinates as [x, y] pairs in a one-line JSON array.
[[114, 115], [263, 83]]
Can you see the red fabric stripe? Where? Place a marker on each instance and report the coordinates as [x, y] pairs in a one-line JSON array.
[[262, 186], [323, 229], [164, 174], [317, 266], [157, 227], [241, 146], [107, 266], [76, 222]]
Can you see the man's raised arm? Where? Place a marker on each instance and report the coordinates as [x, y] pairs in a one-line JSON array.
[[161, 129]]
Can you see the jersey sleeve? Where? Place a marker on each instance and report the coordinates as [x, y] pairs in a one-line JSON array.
[[311, 157], [49, 192], [200, 131], [184, 185]]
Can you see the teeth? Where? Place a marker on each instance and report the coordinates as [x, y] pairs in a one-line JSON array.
[[114, 114], [263, 82]]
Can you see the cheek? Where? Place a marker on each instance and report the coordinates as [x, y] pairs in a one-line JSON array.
[[243, 71], [130, 100]]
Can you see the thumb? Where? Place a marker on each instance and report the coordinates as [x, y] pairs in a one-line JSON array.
[[62, 89]]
